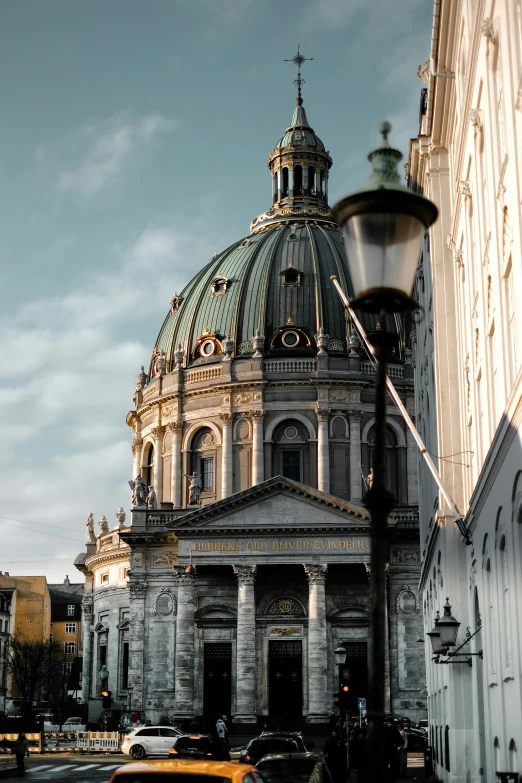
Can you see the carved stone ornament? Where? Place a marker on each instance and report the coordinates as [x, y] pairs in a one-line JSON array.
[[404, 556], [241, 398], [465, 188], [164, 558], [87, 610], [121, 516], [166, 591], [137, 559], [228, 346], [141, 379], [423, 72], [257, 415], [103, 524], [475, 117], [321, 340], [408, 357], [184, 574], [246, 575], [179, 353], [336, 346], [286, 631], [316, 572], [458, 256], [258, 344], [404, 590], [342, 395], [137, 443], [354, 343], [161, 364], [175, 302], [354, 414], [174, 426], [137, 589], [322, 414], [226, 417]]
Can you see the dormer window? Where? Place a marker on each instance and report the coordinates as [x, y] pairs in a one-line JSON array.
[[291, 276], [220, 285]]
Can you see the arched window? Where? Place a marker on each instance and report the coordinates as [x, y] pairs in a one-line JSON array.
[[148, 466], [311, 180], [512, 756], [496, 753], [446, 749], [508, 660], [284, 189], [292, 451], [203, 459], [275, 186], [392, 470], [321, 185], [339, 457], [298, 180]]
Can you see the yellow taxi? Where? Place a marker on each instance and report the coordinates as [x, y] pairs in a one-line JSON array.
[[186, 771]]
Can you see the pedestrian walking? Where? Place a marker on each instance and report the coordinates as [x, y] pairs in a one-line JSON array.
[[403, 752], [21, 750], [335, 756], [392, 742], [222, 735]]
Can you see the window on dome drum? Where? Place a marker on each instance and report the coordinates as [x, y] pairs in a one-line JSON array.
[[284, 189], [392, 459], [311, 180], [208, 474], [291, 452], [148, 469], [322, 184], [298, 180]]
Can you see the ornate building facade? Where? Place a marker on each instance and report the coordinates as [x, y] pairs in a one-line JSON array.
[[245, 565], [467, 159]]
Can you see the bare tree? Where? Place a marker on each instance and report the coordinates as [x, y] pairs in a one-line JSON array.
[[33, 666]]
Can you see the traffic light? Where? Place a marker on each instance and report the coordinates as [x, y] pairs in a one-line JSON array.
[[106, 699], [343, 695]]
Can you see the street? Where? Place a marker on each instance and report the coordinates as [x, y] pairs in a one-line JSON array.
[[81, 770]]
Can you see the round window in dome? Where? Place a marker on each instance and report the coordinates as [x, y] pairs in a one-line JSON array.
[[207, 348], [290, 339]]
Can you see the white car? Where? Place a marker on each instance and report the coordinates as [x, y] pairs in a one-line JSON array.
[[149, 741]]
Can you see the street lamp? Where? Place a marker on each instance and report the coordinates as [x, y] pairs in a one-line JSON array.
[[436, 646], [383, 227], [340, 655], [448, 627]]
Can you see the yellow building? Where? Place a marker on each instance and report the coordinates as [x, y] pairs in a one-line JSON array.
[[66, 628], [30, 606]]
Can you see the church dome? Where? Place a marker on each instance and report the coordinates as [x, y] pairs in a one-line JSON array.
[[275, 281]]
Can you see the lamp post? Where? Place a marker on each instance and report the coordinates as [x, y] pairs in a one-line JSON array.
[[383, 227]]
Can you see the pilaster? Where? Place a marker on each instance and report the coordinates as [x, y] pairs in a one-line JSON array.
[[317, 643], [176, 428], [355, 455], [246, 645], [323, 450], [226, 454], [258, 472], [137, 590], [185, 643], [157, 434]]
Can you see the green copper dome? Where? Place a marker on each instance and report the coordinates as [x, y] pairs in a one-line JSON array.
[[275, 281]]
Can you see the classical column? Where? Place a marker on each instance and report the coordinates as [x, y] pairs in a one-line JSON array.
[[317, 643], [226, 455], [323, 451], [355, 456], [290, 181], [137, 445], [176, 427], [317, 182], [87, 648], [305, 179], [246, 645], [258, 456], [137, 590], [185, 647], [157, 433]]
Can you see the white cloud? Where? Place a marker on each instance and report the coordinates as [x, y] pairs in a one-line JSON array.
[[67, 369], [112, 145]]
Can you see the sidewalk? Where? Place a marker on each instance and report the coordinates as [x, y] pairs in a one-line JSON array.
[[7, 766]]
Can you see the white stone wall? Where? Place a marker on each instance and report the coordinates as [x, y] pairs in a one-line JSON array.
[[467, 158]]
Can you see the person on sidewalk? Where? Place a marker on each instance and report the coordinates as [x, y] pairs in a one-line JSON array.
[[222, 734], [335, 756], [21, 750], [392, 742]]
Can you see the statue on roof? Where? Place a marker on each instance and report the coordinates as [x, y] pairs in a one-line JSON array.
[[103, 524], [91, 535], [121, 516], [195, 488], [139, 491]]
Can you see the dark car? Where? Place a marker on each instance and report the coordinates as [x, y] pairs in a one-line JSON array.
[[191, 746], [270, 743], [294, 768]]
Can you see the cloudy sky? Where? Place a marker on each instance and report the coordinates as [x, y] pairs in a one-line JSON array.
[[133, 146]]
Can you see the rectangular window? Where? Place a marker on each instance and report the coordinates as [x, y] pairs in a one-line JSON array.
[[208, 474], [70, 627], [69, 648], [104, 578], [68, 667], [125, 666], [70, 610], [292, 464], [51, 638]]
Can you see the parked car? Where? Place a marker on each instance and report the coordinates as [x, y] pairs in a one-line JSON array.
[[149, 741], [273, 742], [294, 768], [191, 746], [187, 772], [73, 724]]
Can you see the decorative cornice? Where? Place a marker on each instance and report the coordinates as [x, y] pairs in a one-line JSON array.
[[184, 575], [316, 573], [100, 559], [246, 575]]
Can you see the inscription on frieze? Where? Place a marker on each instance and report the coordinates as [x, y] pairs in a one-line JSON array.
[[282, 545]]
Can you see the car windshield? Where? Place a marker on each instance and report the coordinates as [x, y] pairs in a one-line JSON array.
[[262, 747], [168, 777], [291, 771]]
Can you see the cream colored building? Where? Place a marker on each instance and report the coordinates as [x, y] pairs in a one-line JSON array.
[[467, 356]]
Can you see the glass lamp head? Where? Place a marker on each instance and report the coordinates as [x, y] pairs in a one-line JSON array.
[[434, 635], [383, 227], [448, 627], [340, 655]]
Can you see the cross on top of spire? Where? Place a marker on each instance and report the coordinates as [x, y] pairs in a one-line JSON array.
[[298, 60]]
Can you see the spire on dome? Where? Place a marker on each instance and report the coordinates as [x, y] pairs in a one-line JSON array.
[[298, 60]]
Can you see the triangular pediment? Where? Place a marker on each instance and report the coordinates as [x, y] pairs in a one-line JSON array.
[[278, 503]]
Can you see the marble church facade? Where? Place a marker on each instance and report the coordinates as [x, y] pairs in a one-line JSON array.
[[258, 385]]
